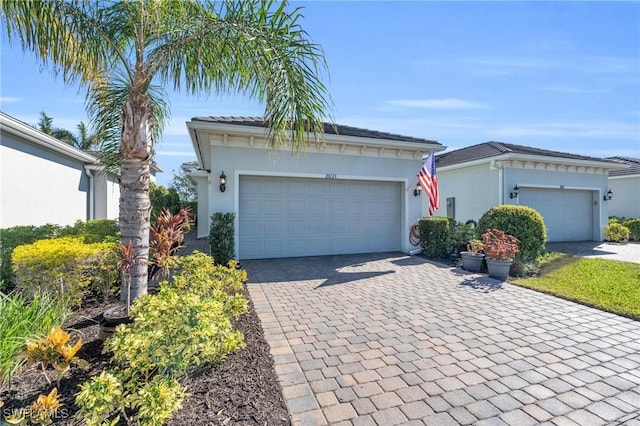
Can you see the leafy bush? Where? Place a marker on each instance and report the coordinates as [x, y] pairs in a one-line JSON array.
[[461, 236], [222, 237], [524, 223], [92, 231], [634, 228], [63, 265], [10, 238], [617, 233], [162, 198], [498, 245], [22, 319], [186, 324], [435, 235]]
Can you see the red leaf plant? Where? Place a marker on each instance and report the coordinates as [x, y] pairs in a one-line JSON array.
[[167, 236], [499, 246]]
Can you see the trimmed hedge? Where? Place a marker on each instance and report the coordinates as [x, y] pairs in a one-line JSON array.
[[222, 237], [617, 233], [435, 235], [523, 222]]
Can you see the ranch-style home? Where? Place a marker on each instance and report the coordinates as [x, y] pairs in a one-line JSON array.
[[44, 180], [353, 192], [571, 192], [625, 184]]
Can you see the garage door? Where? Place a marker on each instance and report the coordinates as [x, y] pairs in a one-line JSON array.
[[289, 217], [568, 214]]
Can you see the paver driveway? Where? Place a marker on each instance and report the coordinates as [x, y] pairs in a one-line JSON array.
[[390, 339]]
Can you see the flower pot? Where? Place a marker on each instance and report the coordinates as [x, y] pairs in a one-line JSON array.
[[499, 269], [472, 262], [111, 318]]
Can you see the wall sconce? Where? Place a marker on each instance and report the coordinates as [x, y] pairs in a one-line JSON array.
[[515, 192], [417, 191], [223, 182], [608, 196]]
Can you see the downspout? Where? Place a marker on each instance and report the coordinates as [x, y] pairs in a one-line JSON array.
[[494, 165], [92, 192]]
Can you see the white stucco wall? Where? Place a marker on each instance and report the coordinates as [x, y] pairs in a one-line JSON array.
[[39, 186], [238, 161], [113, 197], [475, 190], [626, 196]]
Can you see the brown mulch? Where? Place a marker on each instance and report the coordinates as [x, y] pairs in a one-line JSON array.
[[242, 390]]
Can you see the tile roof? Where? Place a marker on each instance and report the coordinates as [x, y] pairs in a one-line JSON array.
[[329, 129], [633, 162], [493, 149]]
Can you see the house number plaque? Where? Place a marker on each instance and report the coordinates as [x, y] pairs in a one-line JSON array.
[[331, 176]]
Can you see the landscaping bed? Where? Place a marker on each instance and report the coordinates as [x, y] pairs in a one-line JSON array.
[[242, 390]]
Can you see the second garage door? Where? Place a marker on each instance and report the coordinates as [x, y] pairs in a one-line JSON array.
[[290, 217], [568, 214]]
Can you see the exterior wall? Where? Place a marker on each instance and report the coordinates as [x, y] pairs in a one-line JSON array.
[[113, 198], [626, 196], [551, 179], [204, 214], [39, 186], [237, 161], [474, 189]]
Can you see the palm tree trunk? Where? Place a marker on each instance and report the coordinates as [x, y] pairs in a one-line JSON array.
[[135, 206]]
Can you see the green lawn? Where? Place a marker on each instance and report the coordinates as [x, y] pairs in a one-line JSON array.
[[605, 284]]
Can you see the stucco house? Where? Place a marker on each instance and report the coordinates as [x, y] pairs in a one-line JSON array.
[[570, 191], [351, 193], [625, 186], [44, 180]]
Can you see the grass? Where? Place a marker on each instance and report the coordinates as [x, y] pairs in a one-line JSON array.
[[609, 285], [22, 318]]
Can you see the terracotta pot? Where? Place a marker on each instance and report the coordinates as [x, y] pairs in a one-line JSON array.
[[499, 269]]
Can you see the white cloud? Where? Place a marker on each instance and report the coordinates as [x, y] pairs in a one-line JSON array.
[[446, 103], [571, 90], [8, 99]]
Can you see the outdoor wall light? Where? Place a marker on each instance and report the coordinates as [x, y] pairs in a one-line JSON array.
[[608, 196], [515, 192], [223, 182], [417, 190]]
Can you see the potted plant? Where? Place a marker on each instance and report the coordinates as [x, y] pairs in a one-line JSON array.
[[472, 258], [500, 249]]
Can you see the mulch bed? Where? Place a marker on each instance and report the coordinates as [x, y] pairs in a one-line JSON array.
[[242, 390]]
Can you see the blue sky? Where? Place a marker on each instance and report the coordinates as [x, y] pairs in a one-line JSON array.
[[556, 75]]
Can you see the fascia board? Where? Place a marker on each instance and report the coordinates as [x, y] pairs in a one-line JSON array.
[[239, 130], [22, 130], [534, 159]]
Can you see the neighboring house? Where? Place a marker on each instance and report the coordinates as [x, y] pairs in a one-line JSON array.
[[625, 186], [44, 180], [351, 193], [568, 190]]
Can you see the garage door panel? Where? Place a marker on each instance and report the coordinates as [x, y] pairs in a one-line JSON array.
[[304, 217], [567, 214]]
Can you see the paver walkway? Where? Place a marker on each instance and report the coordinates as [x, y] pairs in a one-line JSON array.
[[390, 339]]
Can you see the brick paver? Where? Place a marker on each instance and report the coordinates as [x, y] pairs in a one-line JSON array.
[[383, 339]]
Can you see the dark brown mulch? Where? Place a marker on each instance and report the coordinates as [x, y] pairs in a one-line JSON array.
[[242, 390]]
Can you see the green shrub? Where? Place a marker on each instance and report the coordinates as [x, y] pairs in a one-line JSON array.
[[617, 233], [461, 236], [522, 222], [222, 237], [23, 318], [100, 231], [435, 235], [11, 238], [634, 228], [63, 265], [186, 324]]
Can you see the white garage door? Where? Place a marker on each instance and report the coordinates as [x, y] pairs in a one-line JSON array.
[[289, 217], [568, 214]]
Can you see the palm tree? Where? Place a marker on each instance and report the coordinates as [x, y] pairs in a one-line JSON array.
[[126, 52], [86, 140]]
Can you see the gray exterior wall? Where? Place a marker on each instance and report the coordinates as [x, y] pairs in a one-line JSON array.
[[38, 186], [626, 196]]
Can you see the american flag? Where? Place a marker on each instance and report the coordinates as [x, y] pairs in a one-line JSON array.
[[429, 182]]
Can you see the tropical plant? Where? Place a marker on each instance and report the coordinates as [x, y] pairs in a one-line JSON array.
[[475, 246], [222, 237], [126, 52], [499, 246], [167, 236], [22, 318], [617, 233]]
